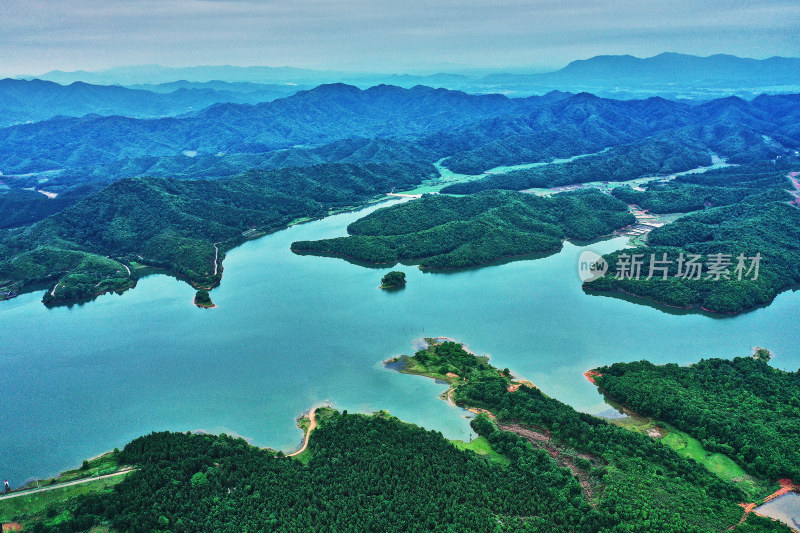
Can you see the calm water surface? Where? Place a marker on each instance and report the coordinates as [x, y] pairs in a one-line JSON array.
[[785, 508], [294, 331]]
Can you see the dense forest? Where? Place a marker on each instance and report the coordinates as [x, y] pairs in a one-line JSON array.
[[647, 158], [322, 115], [174, 224], [643, 484], [746, 210], [742, 408], [714, 188], [475, 132], [211, 166], [337, 146], [376, 473], [584, 123], [366, 473], [448, 232], [20, 207]]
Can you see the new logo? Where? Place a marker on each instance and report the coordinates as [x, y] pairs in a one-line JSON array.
[[591, 266]]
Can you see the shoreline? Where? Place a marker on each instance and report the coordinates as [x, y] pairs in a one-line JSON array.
[[587, 288], [494, 262], [447, 395], [22, 287], [786, 485]]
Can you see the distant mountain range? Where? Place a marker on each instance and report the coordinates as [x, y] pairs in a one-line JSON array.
[[669, 74], [681, 68], [154, 74], [154, 91], [333, 122], [34, 100], [623, 76]]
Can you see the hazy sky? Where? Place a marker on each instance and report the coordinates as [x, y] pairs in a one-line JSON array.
[[381, 35]]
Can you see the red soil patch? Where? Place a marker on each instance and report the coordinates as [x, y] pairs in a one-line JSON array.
[[787, 485], [478, 411], [12, 526], [748, 508], [515, 385], [591, 374]]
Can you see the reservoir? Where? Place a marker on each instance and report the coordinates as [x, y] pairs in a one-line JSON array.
[[292, 331], [785, 508]]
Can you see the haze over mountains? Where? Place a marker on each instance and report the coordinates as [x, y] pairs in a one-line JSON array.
[[155, 91], [667, 74], [33, 100]]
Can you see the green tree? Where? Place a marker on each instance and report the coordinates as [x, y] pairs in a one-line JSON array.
[[395, 278]]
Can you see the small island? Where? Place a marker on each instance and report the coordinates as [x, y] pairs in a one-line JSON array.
[[393, 280], [203, 299]]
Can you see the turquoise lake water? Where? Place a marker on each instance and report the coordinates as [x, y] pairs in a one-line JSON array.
[[294, 331]]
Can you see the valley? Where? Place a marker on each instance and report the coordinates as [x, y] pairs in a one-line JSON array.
[[187, 266]]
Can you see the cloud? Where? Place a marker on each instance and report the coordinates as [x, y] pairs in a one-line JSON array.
[[380, 34]]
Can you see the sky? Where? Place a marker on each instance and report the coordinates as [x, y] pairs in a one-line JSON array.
[[414, 36]]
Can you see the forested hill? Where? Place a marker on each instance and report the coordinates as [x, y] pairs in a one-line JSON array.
[[370, 130], [744, 210], [733, 128], [89, 247], [542, 467], [318, 116], [211, 166], [477, 132], [365, 474], [743, 408], [445, 232]]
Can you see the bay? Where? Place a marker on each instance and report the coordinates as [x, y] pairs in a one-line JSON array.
[[291, 332]]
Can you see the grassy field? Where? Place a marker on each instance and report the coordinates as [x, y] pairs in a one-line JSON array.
[[304, 423], [683, 443], [99, 466], [412, 366], [304, 457], [481, 446], [48, 505]]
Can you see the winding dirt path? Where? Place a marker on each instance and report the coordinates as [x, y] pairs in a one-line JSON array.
[[216, 257], [541, 439], [60, 485], [311, 427]]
